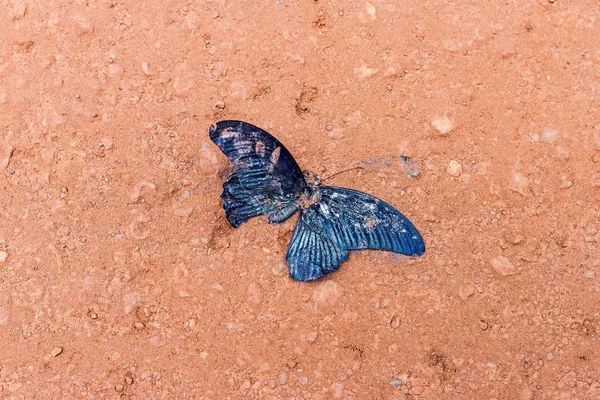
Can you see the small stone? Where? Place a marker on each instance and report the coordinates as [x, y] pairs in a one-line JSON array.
[[503, 266], [107, 142], [311, 337], [395, 322], [139, 325], [56, 351], [550, 135], [83, 23], [454, 169], [396, 383], [204, 355], [338, 390], [3, 256], [283, 378], [466, 291], [94, 316], [130, 300], [146, 69], [119, 388], [589, 274], [444, 125], [519, 183], [255, 293], [363, 72], [220, 104], [115, 69], [19, 9], [410, 166], [3, 316]]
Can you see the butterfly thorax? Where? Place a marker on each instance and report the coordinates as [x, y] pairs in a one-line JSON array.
[[312, 180]]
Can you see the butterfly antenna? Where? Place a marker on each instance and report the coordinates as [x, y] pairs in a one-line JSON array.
[[342, 171]]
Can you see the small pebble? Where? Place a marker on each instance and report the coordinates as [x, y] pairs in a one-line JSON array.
[[396, 383], [466, 291], [410, 166], [589, 274], [220, 104], [145, 68], [115, 69], [550, 135], [119, 387], [56, 351], [139, 325], [519, 184], [455, 169], [3, 316], [363, 72], [503, 266], [338, 390], [444, 125], [3, 256]]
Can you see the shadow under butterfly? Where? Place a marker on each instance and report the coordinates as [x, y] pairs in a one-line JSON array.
[[332, 221]]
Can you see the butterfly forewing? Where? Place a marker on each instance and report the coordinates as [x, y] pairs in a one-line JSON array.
[[266, 175], [357, 220]]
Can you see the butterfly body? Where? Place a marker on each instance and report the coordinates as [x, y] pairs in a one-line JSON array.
[[332, 220]]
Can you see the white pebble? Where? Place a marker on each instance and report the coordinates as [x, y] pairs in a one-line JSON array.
[[3, 316], [503, 266], [589, 274], [56, 351], [455, 169], [107, 142], [519, 183], [444, 125], [3, 256], [396, 383], [363, 72], [145, 68], [130, 300], [550, 135], [338, 390], [115, 69]]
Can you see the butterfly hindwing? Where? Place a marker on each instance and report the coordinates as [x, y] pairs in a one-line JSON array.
[[266, 176], [343, 219], [312, 253]]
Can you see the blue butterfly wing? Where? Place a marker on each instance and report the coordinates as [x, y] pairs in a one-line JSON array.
[[312, 253], [343, 219], [266, 177]]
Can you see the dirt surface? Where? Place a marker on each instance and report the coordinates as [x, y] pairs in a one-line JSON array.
[[120, 278]]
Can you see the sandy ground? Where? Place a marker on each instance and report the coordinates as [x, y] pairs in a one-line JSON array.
[[120, 278]]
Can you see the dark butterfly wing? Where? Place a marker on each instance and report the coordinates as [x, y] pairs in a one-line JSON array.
[[312, 253], [347, 219], [266, 177]]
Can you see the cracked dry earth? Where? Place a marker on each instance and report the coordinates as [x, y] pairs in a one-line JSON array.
[[120, 278]]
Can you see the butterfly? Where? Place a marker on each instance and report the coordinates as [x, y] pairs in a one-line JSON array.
[[333, 220]]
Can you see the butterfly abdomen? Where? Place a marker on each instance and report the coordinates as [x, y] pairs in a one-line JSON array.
[[283, 213]]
